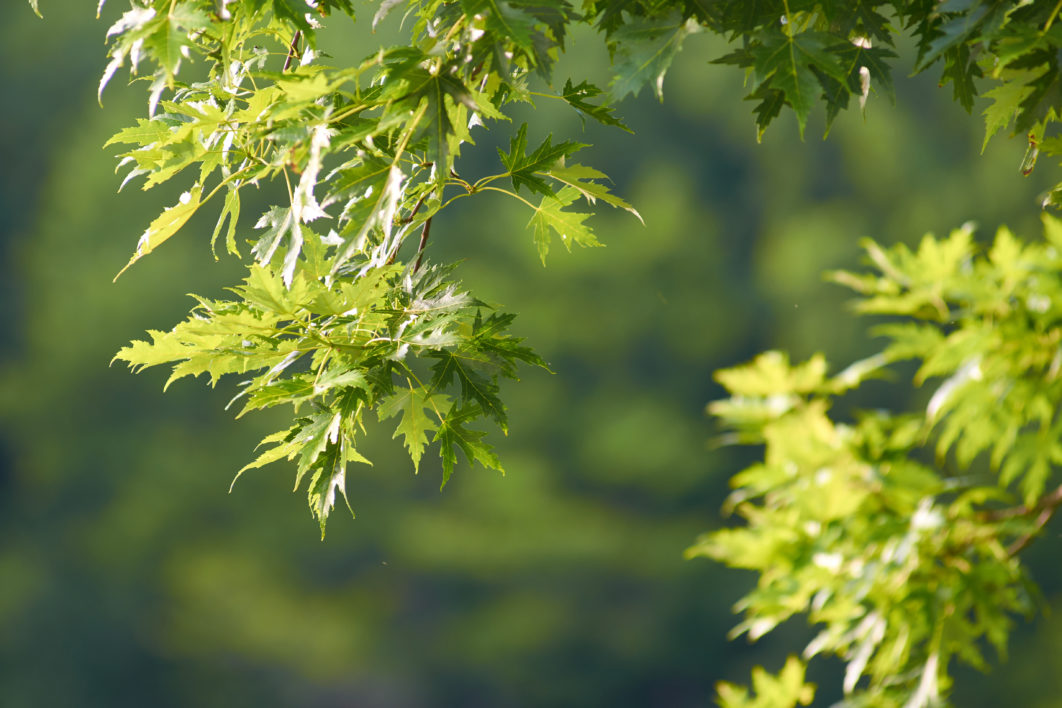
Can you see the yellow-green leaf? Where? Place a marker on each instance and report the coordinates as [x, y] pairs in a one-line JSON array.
[[166, 225]]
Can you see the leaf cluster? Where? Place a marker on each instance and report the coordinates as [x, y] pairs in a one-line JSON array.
[[371, 150], [406, 343], [902, 564], [338, 316]]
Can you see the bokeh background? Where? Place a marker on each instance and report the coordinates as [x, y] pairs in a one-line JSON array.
[[129, 577]]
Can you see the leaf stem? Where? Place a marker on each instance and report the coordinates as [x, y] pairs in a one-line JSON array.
[[1051, 19], [514, 195]]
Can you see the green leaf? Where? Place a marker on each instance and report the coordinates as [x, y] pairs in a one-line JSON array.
[[165, 225], [330, 477], [414, 84], [340, 377], [283, 446], [962, 20], [576, 97], [771, 374], [504, 19], [771, 102], [644, 51], [145, 132], [230, 210], [786, 690], [522, 168], [415, 405], [314, 436], [452, 435], [788, 62], [264, 289], [576, 176], [550, 216], [475, 386], [183, 20], [1007, 99]]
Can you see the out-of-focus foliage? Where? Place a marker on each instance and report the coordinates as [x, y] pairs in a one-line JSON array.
[[905, 566], [786, 690]]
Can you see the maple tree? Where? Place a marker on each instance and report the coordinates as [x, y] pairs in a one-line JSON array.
[[343, 315]]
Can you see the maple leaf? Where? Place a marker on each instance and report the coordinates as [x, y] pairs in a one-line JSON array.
[[522, 168], [474, 385], [577, 176], [505, 20], [550, 216], [165, 225], [787, 63], [329, 477], [415, 406], [645, 50], [1007, 100], [576, 97], [453, 435]]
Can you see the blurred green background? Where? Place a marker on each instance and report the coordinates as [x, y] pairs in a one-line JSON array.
[[129, 577]]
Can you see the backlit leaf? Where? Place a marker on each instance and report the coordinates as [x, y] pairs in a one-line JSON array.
[[166, 225]]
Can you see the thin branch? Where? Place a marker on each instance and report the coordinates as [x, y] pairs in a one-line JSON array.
[[293, 50], [1043, 510], [413, 213], [1047, 502], [1019, 545], [423, 242], [408, 219]]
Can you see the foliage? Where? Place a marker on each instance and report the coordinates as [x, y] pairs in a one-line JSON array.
[[333, 321], [787, 690], [348, 319], [371, 149], [903, 564]]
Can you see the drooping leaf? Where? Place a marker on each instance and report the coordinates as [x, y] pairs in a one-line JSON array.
[[644, 52], [787, 61], [475, 386], [166, 225], [453, 435], [418, 411], [578, 177], [230, 211]]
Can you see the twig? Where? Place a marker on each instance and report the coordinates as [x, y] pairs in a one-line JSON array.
[[1044, 509], [1048, 502], [394, 253], [413, 213], [1019, 545], [423, 242], [293, 49]]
